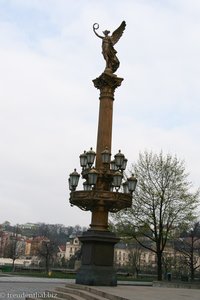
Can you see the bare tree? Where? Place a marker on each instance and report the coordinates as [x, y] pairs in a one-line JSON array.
[[11, 249], [135, 251], [47, 251], [188, 244], [162, 200]]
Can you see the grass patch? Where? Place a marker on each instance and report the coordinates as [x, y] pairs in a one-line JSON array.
[[131, 278], [68, 275], [61, 275]]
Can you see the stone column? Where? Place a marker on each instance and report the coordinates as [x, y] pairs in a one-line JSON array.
[[98, 243], [106, 83]]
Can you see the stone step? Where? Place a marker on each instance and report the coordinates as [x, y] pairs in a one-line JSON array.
[[66, 295], [49, 298], [78, 292], [58, 296], [95, 291], [54, 298], [82, 293]]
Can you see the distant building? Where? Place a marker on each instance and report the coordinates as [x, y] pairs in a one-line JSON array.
[[28, 226], [18, 262], [33, 245], [121, 254], [4, 242], [28, 247], [133, 256], [61, 251], [72, 247]]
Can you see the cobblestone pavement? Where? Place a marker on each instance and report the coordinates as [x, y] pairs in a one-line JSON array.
[[14, 287], [21, 290], [23, 287]]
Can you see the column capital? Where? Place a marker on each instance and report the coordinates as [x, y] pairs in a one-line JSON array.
[[107, 83]]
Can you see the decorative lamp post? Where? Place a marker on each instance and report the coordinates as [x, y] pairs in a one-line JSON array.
[[132, 182], [117, 180], [125, 187], [73, 180], [113, 166], [92, 177], [119, 159], [105, 156], [83, 160], [124, 164], [86, 186], [103, 190], [90, 157]]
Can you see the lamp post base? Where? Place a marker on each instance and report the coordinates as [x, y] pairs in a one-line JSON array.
[[97, 259], [96, 276]]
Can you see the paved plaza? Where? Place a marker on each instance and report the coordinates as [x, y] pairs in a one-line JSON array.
[[23, 290], [17, 287], [21, 287], [153, 293]]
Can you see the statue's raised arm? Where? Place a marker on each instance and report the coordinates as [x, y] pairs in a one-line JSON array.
[[95, 27], [108, 51]]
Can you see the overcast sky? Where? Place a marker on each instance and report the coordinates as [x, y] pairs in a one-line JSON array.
[[49, 56]]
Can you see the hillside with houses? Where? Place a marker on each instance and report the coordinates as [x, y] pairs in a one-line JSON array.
[[45, 247]]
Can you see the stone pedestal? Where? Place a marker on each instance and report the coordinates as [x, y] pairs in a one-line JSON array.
[[97, 259]]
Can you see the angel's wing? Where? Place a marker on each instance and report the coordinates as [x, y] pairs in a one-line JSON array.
[[118, 33]]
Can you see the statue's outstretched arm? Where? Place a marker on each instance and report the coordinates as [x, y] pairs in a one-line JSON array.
[[95, 27]]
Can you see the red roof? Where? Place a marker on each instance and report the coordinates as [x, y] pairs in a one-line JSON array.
[[62, 247]]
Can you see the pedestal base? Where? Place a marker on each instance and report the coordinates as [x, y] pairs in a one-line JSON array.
[[96, 276], [97, 259]]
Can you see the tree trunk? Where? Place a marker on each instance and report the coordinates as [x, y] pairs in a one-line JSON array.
[[192, 273], [159, 266], [137, 272], [192, 261], [192, 267], [47, 264], [13, 265]]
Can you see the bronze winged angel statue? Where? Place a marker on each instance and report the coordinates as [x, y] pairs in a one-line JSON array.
[[108, 51]]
